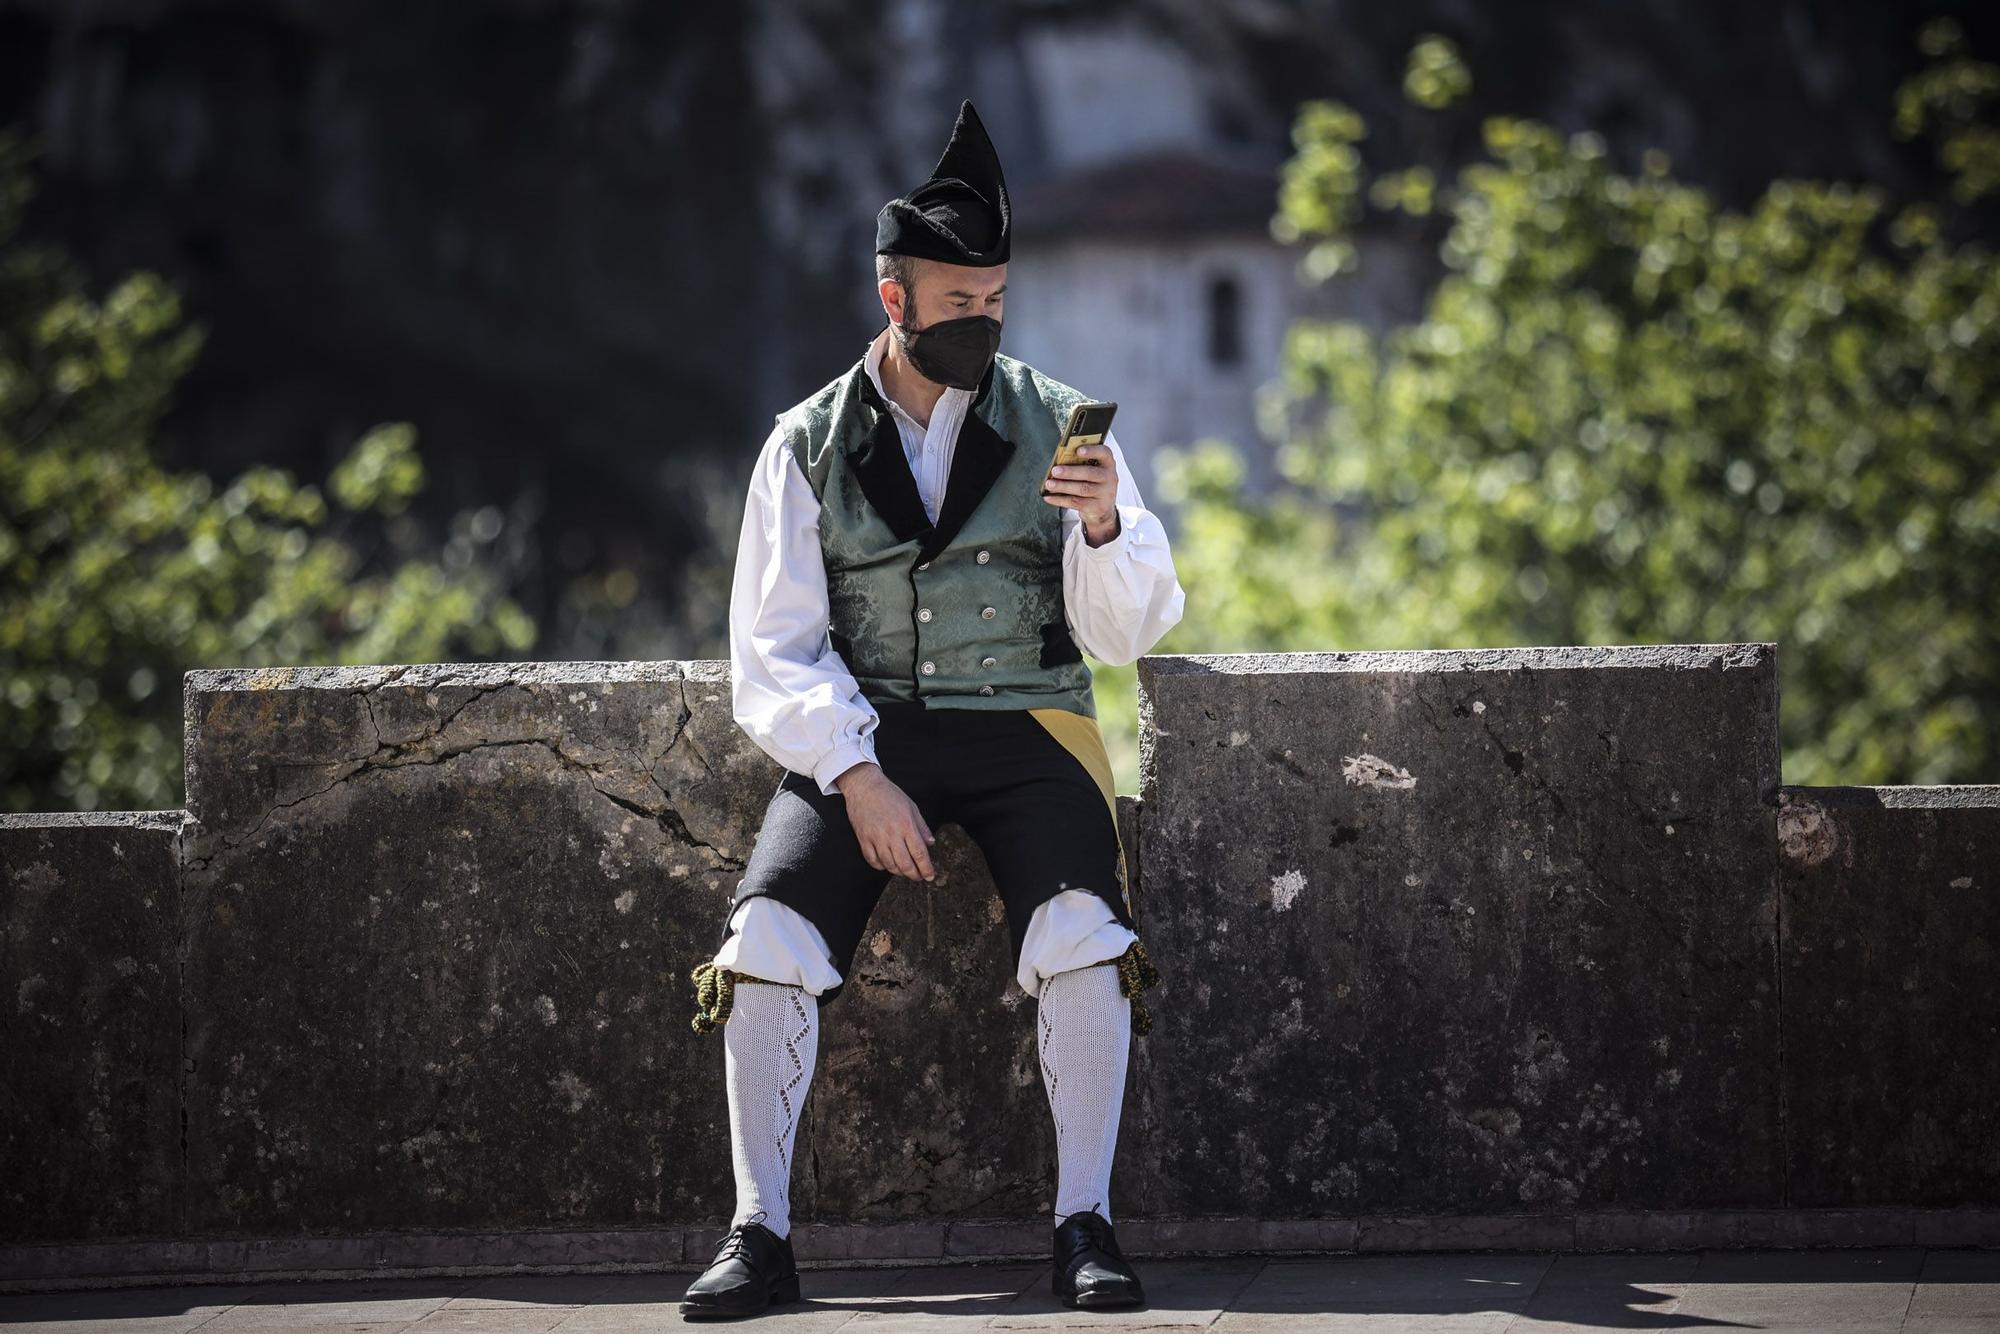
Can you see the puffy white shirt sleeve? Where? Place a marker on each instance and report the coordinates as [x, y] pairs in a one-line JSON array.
[[789, 690], [1120, 598]]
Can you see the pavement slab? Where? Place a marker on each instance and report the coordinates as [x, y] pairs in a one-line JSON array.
[[1908, 1290]]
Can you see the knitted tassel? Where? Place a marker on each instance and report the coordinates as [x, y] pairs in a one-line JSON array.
[[714, 993], [1136, 973]]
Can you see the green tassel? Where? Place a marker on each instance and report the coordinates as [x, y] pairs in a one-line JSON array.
[[1136, 973], [714, 993]]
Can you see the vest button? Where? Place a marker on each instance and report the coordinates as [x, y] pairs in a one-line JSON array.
[[986, 612], [983, 557], [929, 668], [923, 613], [925, 566], [986, 690], [988, 662]]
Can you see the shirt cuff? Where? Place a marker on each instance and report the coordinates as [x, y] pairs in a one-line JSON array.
[[1115, 548], [839, 762]]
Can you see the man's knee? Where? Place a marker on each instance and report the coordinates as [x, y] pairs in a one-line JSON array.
[[1077, 929], [768, 941]]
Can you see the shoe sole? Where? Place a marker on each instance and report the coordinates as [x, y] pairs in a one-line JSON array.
[[1099, 1303], [785, 1290], [1114, 1304]]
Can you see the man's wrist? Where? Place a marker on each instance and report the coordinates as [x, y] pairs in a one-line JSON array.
[[1097, 535], [838, 763], [853, 775]]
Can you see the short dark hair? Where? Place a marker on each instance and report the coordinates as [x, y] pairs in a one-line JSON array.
[[902, 270]]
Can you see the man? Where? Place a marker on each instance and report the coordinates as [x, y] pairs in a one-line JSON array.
[[904, 628]]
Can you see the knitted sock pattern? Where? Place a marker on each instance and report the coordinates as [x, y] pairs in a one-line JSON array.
[[771, 1047], [1084, 1038]]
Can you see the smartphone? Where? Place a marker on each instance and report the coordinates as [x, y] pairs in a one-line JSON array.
[[1088, 424]]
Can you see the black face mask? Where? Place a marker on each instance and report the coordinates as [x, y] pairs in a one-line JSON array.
[[952, 352]]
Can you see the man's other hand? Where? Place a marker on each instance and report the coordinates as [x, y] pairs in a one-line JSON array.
[[890, 828]]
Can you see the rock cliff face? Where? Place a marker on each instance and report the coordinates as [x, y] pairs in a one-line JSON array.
[[578, 244], [1513, 947]]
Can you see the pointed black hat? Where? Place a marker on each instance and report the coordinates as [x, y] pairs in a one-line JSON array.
[[959, 215]]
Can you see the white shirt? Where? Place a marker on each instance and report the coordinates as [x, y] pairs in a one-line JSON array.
[[794, 695]]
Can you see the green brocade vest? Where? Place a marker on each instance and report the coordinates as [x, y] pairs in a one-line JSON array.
[[966, 613]]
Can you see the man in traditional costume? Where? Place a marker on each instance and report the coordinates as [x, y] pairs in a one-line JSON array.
[[905, 623]]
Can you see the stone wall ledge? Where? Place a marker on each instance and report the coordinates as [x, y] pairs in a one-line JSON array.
[[1671, 657], [170, 820], [1935, 797]]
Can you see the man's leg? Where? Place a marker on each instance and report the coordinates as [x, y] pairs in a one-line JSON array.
[[1040, 817], [1073, 929], [1084, 1024], [1083, 1033], [1081, 958], [1035, 804], [771, 940], [771, 1045], [804, 897], [1039, 810], [771, 1048]]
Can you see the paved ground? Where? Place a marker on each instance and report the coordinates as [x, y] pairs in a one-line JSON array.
[[1845, 1290]]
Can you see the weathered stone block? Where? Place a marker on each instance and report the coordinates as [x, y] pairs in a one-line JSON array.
[[1889, 937], [90, 1029], [438, 922], [1459, 931]]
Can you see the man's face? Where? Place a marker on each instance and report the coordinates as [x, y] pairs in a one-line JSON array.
[[947, 292]]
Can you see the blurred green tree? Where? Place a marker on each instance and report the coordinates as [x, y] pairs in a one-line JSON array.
[[117, 575], [1630, 416]]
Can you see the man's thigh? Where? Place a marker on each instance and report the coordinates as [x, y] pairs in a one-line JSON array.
[[1043, 825], [808, 857]]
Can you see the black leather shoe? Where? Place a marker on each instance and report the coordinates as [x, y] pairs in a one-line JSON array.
[[1090, 1270], [752, 1269]]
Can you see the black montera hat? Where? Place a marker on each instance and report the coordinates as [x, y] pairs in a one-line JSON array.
[[960, 214]]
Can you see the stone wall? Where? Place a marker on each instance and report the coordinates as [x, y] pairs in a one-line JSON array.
[[1890, 918], [90, 1027], [1522, 947], [1497, 924]]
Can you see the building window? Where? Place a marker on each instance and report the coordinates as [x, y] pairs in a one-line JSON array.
[[1225, 321]]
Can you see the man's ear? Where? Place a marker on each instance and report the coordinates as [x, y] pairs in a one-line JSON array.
[[891, 293]]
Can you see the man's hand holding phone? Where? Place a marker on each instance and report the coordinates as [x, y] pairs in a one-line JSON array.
[[1084, 475], [888, 825]]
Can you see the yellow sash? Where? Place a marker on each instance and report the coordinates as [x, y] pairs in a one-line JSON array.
[[1079, 735]]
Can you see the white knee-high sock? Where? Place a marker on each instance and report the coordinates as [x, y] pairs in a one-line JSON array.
[[1085, 1040], [771, 1040]]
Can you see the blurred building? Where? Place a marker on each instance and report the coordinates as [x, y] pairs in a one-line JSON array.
[[1144, 269]]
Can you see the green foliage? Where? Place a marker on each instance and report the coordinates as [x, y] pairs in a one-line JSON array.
[[1947, 101], [1435, 76], [1630, 416], [117, 575], [383, 471], [1320, 193]]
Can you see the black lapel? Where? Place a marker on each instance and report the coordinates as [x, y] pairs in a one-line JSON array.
[[884, 472], [977, 460]]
